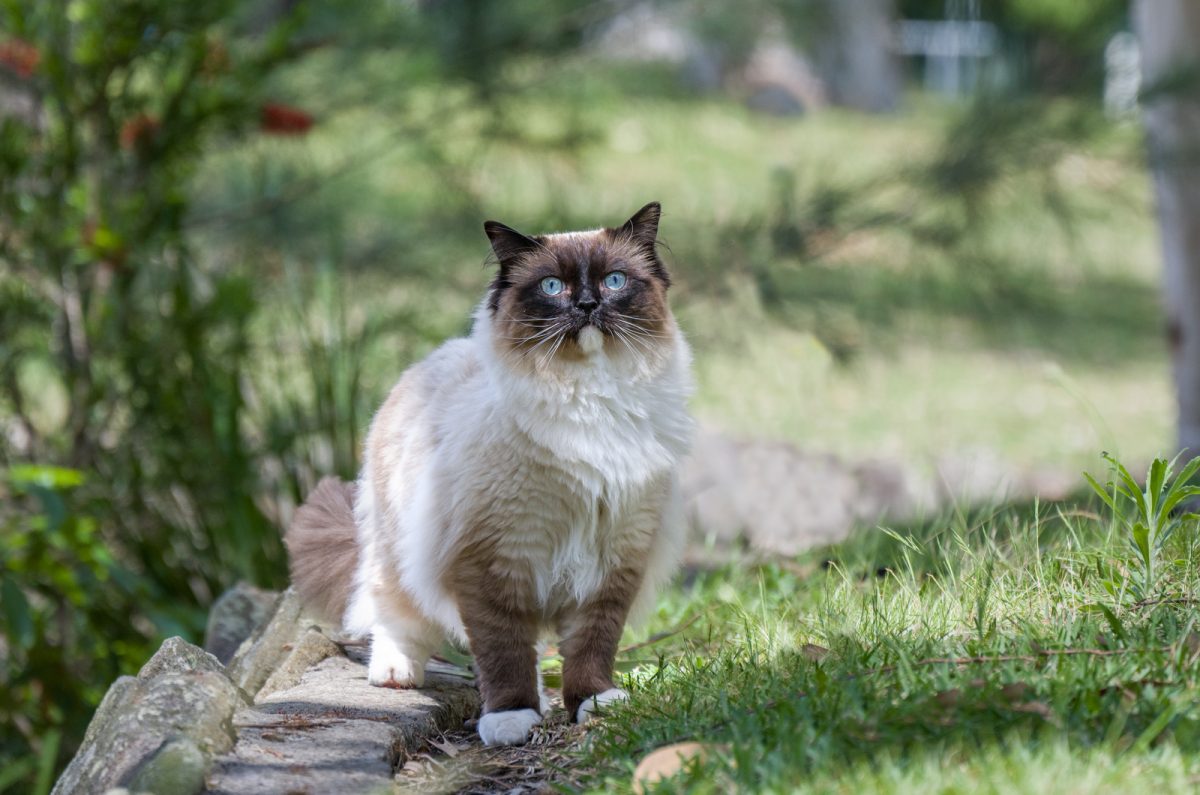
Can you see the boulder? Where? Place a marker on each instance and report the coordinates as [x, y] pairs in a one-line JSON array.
[[158, 732], [782, 500], [268, 646], [234, 617], [177, 656]]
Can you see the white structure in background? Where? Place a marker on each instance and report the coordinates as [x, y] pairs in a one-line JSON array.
[[1122, 75], [953, 48]]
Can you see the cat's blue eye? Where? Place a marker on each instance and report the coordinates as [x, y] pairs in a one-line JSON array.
[[614, 280], [552, 286]]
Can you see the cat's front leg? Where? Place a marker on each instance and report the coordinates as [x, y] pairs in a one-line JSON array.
[[502, 640], [396, 661], [401, 640], [589, 645]]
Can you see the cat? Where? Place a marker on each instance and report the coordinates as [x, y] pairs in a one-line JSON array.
[[519, 481]]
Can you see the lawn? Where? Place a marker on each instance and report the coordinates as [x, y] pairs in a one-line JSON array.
[[995, 651]]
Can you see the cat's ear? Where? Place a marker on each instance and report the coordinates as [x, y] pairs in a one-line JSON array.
[[508, 244], [642, 228]]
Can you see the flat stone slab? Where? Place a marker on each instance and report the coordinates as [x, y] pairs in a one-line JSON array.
[[333, 732]]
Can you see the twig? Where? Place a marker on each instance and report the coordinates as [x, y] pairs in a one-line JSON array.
[[1176, 600], [1039, 655], [656, 637]]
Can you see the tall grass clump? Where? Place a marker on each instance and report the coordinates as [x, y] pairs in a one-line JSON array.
[[1147, 516]]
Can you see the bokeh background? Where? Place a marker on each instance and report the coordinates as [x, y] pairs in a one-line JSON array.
[[912, 234]]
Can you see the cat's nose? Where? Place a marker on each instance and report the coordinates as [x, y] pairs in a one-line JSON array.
[[587, 303]]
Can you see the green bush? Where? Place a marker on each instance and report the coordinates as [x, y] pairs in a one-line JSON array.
[[129, 497]]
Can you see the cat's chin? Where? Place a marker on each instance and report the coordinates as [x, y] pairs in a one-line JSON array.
[[590, 340]]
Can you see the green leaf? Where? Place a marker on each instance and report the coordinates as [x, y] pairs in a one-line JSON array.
[[1188, 472], [15, 771], [1141, 540], [1114, 623], [1102, 493], [47, 762], [1178, 495], [1154, 729], [17, 616], [47, 477], [1154, 482]]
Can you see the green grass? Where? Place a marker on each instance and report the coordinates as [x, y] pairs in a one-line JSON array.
[[980, 653]]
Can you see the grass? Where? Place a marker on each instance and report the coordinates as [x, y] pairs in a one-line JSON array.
[[980, 653]]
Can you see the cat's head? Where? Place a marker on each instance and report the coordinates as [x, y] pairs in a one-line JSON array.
[[576, 294]]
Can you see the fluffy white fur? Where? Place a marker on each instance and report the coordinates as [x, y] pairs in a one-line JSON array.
[[588, 709], [508, 727], [464, 429]]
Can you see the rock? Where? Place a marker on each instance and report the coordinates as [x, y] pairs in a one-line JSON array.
[[178, 656], [333, 732], [155, 731], [269, 645], [779, 499], [177, 767], [779, 80], [234, 617], [312, 648], [891, 490], [976, 476]]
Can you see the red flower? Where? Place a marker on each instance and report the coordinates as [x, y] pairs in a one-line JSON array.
[[280, 119], [138, 131], [20, 56]]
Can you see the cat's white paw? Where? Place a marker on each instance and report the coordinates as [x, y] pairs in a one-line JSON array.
[[508, 727], [390, 667], [587, 710]]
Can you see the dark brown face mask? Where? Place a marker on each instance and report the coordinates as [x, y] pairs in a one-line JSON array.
[[549, 288]]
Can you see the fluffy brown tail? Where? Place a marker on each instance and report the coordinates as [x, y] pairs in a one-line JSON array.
[[323, 548]]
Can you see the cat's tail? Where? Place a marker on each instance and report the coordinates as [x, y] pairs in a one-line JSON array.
[[323, 548]]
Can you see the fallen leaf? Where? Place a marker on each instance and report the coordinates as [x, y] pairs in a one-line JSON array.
[[667, 761], [814, 652]]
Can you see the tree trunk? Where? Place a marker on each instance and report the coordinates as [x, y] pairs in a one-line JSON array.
[[856, 55], [1169, 34]]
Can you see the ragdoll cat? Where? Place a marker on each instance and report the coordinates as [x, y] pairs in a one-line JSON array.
[[519, 481]]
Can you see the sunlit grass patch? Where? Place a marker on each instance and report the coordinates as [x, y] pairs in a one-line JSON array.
[[977, 654]]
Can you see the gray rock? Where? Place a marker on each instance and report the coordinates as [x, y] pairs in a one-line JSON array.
[[312, 648], [235, 616], [177, 768], [140, 718], [262, 652], [333, 732], [176, 656], [777, 79], [782, 500]]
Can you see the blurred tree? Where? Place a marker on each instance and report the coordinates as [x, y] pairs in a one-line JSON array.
[[856, 55], [1169, 33], [128, 495]]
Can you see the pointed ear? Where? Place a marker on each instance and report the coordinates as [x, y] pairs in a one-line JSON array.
[[508, 244], [643, 226]]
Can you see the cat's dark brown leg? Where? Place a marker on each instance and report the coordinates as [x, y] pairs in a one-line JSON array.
[[502, 637], [589, 645]]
